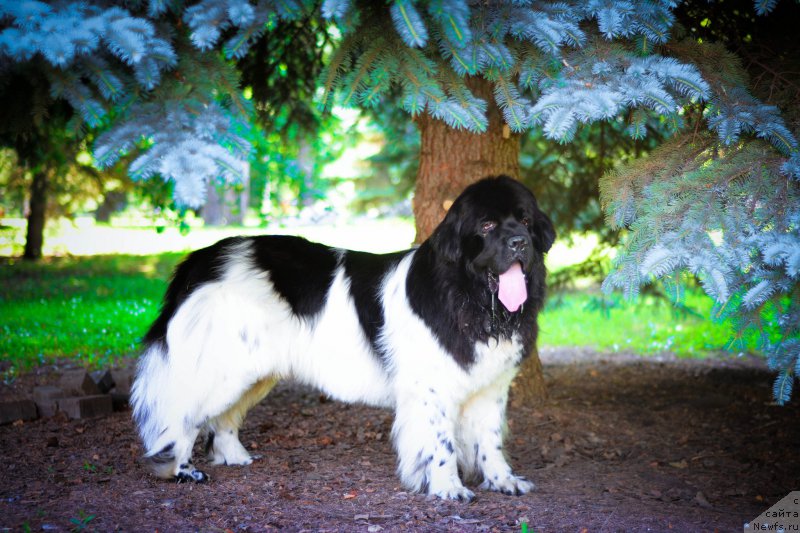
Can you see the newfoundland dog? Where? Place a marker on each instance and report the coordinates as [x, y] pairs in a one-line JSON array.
[[435, 333]]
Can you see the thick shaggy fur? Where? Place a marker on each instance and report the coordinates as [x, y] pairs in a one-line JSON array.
[[419, 331]]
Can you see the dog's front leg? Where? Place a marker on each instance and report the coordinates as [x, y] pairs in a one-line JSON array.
[[424, 438], [481, 431]]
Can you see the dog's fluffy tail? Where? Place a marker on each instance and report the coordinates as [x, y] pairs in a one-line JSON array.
[[149, 409]]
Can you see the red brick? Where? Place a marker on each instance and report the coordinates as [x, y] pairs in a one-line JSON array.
[[45, 393], [86, 406], [17, 410], [123, 380], [78, 382], [103, 380], [46, 399]]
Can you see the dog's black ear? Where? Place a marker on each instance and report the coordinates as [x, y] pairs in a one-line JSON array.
[[446, 238], [542, 232]]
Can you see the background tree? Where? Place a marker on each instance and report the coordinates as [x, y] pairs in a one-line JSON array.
[[279, 73], [723, 207], [45, 139], [474, 77]]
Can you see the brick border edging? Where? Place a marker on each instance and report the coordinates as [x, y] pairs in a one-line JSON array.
[[80, 394]]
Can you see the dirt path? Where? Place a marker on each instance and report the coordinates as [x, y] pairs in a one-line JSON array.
[[622, 444]]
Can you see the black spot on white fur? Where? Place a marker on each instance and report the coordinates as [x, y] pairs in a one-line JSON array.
[[448, 445], [193, 476]]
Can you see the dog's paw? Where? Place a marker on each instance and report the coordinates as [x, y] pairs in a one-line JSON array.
[[192, 476], [511, 485], [230, 452], [230, 459], [456, 492]]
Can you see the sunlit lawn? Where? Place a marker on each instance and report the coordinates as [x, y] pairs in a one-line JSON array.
[[647, 325], [94, 309]]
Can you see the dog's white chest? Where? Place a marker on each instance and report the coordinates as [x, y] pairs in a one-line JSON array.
[[494, 359]]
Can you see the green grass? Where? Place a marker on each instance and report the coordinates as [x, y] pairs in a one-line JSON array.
[[92, 309], [645, 326], [95, 309]]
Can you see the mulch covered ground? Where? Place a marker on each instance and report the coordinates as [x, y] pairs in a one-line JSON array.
[[621, 444]]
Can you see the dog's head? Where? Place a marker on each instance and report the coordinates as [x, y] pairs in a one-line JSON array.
[[497, 233]]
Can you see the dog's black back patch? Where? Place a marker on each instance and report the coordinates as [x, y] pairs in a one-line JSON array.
[[301, 271], [365, 273]]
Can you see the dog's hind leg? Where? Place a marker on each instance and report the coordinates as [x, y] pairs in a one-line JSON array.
[[161, 414], [175, 460], [200, 373], [170, 425], [223, 446]]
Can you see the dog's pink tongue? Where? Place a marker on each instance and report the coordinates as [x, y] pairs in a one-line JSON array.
[[513, 292]]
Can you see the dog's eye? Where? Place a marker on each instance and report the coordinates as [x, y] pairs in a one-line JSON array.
[[488, 226], [525, 221]]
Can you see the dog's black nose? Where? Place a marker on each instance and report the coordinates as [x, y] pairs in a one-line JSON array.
[[517, 243]]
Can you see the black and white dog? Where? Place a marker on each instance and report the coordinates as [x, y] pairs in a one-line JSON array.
[[436, 333]]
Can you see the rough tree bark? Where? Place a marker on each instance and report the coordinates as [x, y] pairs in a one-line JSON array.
[[225, 206], [34, 235], [112, 202], [215, 210], [449, 160]]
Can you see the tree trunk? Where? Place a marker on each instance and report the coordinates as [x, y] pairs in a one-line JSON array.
[[34, 237], [305, 161], [225, 206], [243, 200], [449, 160], [113, 201], [529, 387], [214, 209]]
